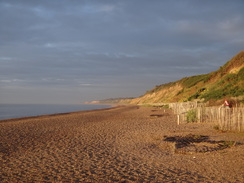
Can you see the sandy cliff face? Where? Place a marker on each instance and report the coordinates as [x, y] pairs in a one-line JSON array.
[[164, 95]]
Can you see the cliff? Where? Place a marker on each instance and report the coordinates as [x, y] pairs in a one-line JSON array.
[[226, 82]]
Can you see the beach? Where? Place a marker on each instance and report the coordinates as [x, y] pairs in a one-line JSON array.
[[119, 144]]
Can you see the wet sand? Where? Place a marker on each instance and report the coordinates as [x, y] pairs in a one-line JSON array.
[[121, 144]]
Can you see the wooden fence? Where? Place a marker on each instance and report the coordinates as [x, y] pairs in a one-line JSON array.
[[180, 108], [231, 119]]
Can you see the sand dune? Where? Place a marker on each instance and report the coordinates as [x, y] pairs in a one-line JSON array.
[[121, 144]]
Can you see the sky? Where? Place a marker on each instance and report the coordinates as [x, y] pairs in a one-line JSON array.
[[73, 51]]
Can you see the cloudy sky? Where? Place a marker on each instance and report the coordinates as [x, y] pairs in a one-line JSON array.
[[72, 51]]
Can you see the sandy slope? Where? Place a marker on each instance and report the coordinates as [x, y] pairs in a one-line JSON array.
[[123, 144]]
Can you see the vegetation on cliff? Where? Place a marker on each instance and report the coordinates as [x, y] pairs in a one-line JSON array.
[[227, 82], [116, 100]]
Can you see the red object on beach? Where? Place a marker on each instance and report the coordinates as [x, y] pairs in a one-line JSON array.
[[226, 103]]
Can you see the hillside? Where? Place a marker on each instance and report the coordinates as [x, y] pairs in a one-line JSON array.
[[227, 82], [113, 101]]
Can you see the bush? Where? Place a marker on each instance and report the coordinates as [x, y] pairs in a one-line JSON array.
[[193, 80], [191, 116], [241, 74], [166, 106], [216, 127], [227, 90]]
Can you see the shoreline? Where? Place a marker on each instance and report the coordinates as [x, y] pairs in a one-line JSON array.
[[118, 144], [55, 114]]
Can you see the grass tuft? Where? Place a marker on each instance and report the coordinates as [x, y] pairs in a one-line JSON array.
[[191, 116]]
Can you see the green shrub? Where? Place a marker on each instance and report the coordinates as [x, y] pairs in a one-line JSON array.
[[227, 144], [193, 80], [241, 74], [180, 92], [214, 94], [166, 106], [216, 127], [227, 90], [191, 116], [194, 96]]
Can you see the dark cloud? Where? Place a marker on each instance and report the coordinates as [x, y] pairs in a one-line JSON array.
[[87, 50]]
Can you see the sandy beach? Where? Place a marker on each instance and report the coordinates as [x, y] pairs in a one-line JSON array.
[[120, 144]]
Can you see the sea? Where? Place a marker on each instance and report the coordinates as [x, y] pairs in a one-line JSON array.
[[8, 111]]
